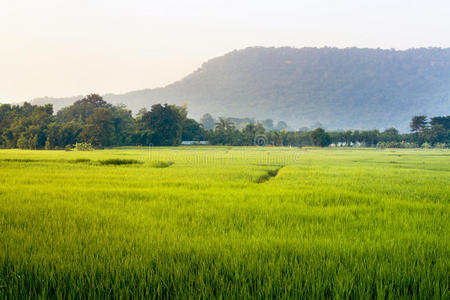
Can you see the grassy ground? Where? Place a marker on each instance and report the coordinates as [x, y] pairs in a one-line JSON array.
[[225, 223]]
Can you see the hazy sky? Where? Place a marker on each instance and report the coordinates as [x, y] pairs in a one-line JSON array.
[[73, 47]]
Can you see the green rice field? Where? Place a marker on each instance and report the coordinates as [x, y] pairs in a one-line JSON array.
[[225, 222]]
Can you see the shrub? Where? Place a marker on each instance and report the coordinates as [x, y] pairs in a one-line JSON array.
[[402, 144], [162, 164], [440, 145], [118, 161], [83, 147]]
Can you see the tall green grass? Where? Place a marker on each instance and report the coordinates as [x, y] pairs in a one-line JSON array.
[[225, 223]]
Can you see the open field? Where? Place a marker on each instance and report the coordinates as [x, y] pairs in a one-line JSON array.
[[225, 222]]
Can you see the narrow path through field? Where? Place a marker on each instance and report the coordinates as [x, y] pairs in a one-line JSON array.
[[269, 175]]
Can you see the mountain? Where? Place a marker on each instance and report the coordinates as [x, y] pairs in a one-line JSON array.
[[340, 88]]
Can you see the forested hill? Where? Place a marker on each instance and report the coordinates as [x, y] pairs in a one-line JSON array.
[[340, 88]]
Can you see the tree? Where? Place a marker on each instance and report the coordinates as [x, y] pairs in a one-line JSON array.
[[192, 131], [224, 124], [320, 138], [281, 125], [68, 133], [27, 126], [348, 137], [283, 138], [250, 131], [436, 134], [53, 136], [99, 128], [225, 133], [268, 124], [356, 136], [30, 138], [208, 122], [418, 123], [141, 113], [390, 135], [444, 121], [370, 138], [82, 109], [123, 124], [162, 125]]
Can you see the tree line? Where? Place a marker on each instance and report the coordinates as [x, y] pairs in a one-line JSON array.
[[94, 122]]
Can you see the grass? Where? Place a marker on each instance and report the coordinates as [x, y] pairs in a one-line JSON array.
[[116, 161], [81, 160], [162, 164], [324, 223]]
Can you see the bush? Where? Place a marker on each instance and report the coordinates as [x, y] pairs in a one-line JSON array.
[[118, 161], [83, 147], [426, 146], [410, 145], [402, 144], [440, 145], [162, 164]]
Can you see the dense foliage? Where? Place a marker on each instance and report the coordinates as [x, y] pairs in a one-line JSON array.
[[435, 132], [92, 122], [340, 88]]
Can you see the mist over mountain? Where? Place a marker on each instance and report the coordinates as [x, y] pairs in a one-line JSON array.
[[340, 88]]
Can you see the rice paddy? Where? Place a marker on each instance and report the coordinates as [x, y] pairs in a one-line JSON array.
[[225, 222]]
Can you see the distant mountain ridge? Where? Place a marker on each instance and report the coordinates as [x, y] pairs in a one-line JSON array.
[[340, 88]]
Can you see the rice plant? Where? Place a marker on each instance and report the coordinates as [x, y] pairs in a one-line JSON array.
[[324, 223]]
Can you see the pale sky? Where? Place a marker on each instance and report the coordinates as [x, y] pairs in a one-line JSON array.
[[74, 47]]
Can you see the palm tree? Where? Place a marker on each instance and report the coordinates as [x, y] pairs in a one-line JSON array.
[[224, 124], [418, 123], [229, 125]]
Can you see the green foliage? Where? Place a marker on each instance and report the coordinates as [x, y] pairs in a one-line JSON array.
[[441, 145], [250, 132], [93, 121], [82, 109], [24, 126], [390, 135], [418, 123], [389, 138], [333, 223], [118, 161], [225, 133], [99, 128], [426, 146], [320, 138], [81, 160], [444, 121], [161, 164], [83, 147], [224, 124], [162, 126], [396, 145], [192, 131]]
